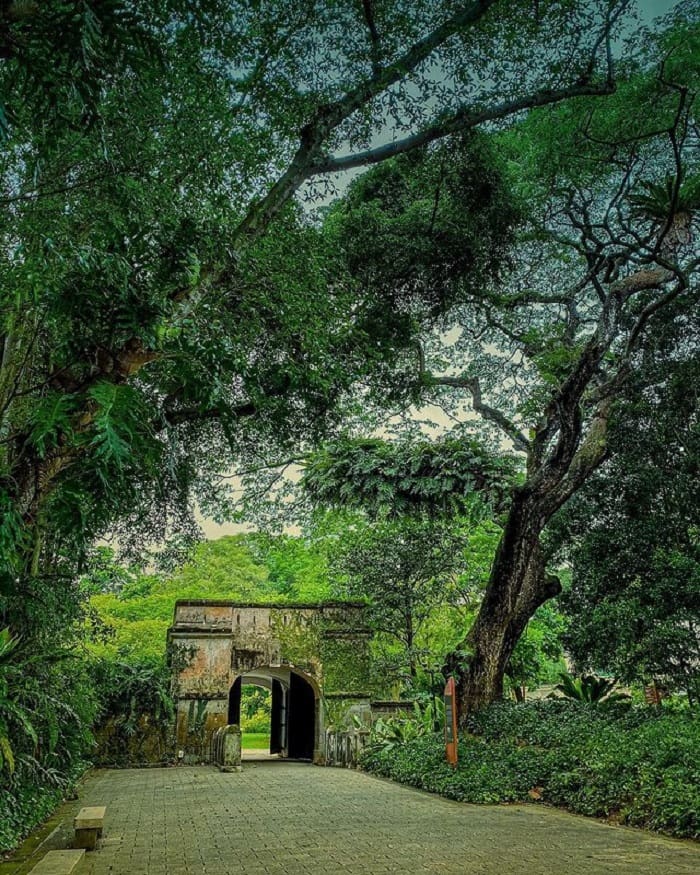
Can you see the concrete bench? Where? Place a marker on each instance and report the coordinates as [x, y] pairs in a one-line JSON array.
[[88, 827], [58, 863]]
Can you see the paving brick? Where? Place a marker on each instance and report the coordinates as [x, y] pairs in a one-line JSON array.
[[280, 818]]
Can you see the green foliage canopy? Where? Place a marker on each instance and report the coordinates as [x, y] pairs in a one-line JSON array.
[[387, 478], [151, 331], [235, 567], [634, 599]]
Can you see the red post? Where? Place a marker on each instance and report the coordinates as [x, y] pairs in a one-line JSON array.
[[451, 722]]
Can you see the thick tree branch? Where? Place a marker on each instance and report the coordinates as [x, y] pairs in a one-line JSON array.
[[464, 119], [563, 417], [327, 118], [526, 298], [368, 13], [489, 413], [640, 281], [591, 453], [198, 414]]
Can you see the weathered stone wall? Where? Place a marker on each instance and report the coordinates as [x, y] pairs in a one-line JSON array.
[[215, 642], [150, 743]]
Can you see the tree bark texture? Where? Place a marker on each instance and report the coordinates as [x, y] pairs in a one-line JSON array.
[[518, 585]]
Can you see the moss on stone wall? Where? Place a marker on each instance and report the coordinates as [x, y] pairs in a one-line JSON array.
[[346, 663], [150, 743], [298, 636]]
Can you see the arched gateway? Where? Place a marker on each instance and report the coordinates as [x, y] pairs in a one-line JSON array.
[[313, 657]]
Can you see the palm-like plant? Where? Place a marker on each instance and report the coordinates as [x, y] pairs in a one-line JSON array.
[[658, 199], [590, 688], [15, 719], [39, 729], [391, 732], [672, 203]]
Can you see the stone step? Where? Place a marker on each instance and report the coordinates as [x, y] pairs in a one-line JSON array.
[[90, 818], [58, 863], [88, 825]]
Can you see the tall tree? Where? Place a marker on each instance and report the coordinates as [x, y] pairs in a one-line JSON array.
[[407, 568], [150, 329], [541, 357]]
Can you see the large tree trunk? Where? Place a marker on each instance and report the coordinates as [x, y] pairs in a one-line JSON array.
[[518, 583], [517, 586]]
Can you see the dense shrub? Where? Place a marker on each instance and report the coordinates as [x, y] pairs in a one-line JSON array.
[[28, 801], [136, 712], [46, 710], [635, 765]]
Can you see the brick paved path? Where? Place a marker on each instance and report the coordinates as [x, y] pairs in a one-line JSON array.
[[292, 819]]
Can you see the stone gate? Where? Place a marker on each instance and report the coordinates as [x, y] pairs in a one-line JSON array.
[[315, 658]]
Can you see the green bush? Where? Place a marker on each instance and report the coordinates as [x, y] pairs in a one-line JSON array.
[[636, 765], [46, 710], [256, 704], [28, 801], [259, 723], [136, 714]]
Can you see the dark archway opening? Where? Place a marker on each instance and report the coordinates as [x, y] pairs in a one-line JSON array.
[[301, 719], [234, 704], [293, 713]]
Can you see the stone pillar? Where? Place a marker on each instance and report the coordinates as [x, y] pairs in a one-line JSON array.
[[227, 748]]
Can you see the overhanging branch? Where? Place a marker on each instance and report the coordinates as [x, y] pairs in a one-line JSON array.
[[486, 411], [328, 117], [199, 414], [464, 119]]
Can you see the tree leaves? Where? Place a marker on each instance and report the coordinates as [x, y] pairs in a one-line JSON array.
[[635, 593], [57, 55], [51, 421], [392, 479], [425, 228]]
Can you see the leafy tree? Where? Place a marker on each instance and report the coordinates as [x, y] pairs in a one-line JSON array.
[[166, 305], [103, 573], [407, 569], [297, 566], [130, 626], [256, 707], [634, 599], [541, 356], [151, 329]]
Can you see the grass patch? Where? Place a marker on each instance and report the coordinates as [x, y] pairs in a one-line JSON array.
[[636, 765], [255, 740]]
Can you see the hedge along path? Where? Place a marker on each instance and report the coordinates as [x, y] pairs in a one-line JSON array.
[[282, 818]]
